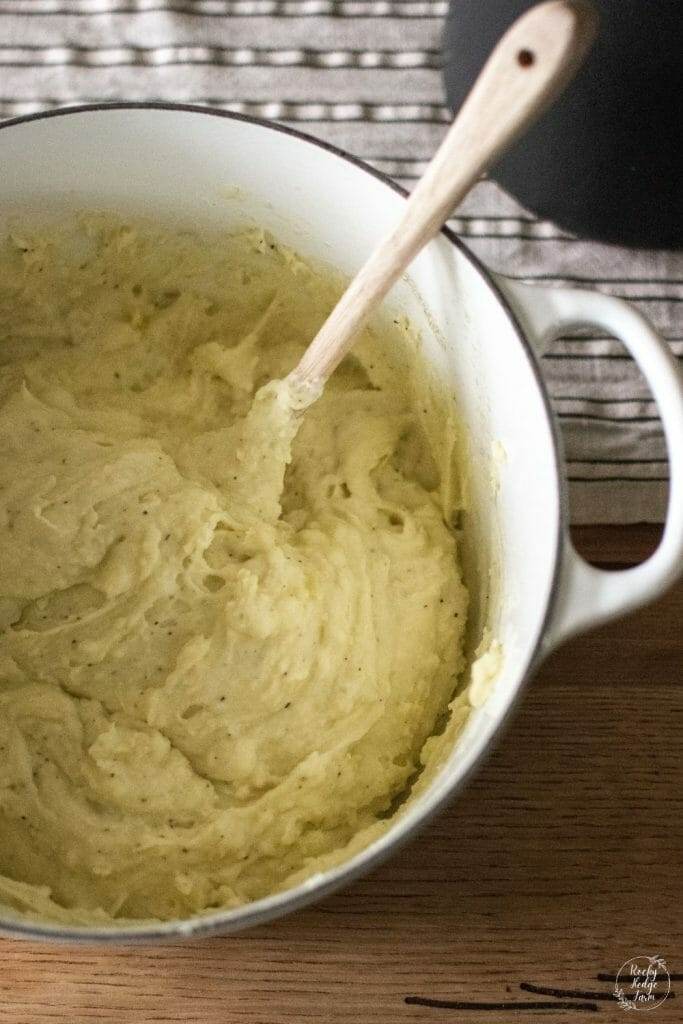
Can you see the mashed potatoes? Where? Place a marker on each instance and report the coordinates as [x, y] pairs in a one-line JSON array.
[[222, 646]]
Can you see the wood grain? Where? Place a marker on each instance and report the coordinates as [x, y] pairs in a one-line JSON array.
[[561, 860]]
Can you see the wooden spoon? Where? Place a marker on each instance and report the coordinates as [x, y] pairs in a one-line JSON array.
[[527, 70]]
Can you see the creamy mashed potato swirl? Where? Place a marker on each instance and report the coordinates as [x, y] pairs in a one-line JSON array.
[[223, 642]]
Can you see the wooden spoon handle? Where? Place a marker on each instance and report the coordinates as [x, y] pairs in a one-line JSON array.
[[528, 68]]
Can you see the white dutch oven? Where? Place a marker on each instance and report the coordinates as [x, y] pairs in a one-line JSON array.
[[481, 332]]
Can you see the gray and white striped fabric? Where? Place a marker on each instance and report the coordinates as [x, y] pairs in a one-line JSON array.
[[364, 74]]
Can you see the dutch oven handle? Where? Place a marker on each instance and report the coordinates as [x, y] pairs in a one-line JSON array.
[[588, 596]]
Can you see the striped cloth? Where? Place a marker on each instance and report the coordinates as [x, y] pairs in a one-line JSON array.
[[364, 74]]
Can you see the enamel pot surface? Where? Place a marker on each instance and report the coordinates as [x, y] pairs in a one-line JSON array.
[[480, 332]]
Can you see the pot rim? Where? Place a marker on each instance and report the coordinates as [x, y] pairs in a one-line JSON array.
[[317, 887]]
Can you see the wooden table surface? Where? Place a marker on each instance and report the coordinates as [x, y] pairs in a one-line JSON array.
[[561, 860]]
